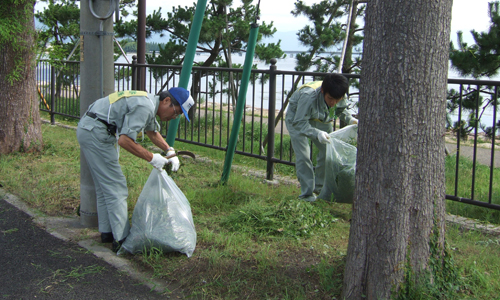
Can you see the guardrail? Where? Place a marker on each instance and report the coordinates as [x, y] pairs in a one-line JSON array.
[[263, 135]]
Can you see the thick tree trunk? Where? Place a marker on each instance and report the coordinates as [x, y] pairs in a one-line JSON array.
[[400, 165], [20, 128]]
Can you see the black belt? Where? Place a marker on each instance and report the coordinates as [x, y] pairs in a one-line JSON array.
[[111, 128]]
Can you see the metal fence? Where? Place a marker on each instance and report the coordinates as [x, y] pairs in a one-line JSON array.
[[263, 135]]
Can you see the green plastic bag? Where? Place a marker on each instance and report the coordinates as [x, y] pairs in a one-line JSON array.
[[340, 166]]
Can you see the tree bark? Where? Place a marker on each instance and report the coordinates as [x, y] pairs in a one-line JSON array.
[[20, 128], [400, 183]]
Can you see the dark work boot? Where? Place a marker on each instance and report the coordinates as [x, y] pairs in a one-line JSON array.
[[106, 237]]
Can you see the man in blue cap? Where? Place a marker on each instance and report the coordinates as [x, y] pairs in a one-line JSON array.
[[117, 119]]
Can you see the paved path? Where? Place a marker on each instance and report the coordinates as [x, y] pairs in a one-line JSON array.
[[483, 155], [38, 264]]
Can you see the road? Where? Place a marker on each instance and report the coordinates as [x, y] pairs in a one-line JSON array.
[[38, 264]]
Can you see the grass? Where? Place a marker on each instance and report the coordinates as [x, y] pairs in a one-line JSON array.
[[254, 240], [464, 187]]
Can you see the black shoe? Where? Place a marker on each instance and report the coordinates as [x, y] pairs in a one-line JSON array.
[[106, 237], [117, 245]]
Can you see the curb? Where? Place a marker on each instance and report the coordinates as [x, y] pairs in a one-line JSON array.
[[472, 224]]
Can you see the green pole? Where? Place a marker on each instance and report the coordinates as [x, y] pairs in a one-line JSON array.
[[187, 66], [240, 105]]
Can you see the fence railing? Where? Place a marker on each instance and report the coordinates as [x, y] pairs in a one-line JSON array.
[[263, 133]]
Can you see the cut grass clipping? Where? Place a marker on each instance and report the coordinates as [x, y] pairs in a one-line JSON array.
[[290, 218]]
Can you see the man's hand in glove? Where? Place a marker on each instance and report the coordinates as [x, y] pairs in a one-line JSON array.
[[323, 137], [173, 160], [158, 161], [353, 121]]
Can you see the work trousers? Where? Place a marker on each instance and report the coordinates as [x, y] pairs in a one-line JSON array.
[[311, 179], [98, 147]]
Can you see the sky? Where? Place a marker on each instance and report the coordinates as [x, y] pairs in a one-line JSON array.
[[465, 15]]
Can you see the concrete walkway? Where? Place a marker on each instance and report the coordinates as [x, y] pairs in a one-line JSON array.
[[483, 155]]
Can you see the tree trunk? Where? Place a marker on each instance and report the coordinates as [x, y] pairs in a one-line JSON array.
[[20, 128], [400, 179]]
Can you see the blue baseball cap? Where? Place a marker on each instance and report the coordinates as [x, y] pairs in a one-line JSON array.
[[185, 100]]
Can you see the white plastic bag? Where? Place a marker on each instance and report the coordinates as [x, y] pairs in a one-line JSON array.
[[347, 134], [340, 165], [162, 218]]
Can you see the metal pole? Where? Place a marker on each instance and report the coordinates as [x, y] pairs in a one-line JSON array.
[[141, 43], [134, 72], [52, 94], [96, 71], [187, 66], [271, 120], [240, 105], [494, 130]]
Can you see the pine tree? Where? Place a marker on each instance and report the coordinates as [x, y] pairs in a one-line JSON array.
[[326, 33], [225, 30], [397, 233], [481, 59]]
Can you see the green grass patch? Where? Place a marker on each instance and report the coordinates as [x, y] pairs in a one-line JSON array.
[[289, 218], [464, 189]]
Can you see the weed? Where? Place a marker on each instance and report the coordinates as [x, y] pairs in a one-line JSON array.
[[290, 218], [9, 231], [153, 258], [330, 274], [441, 280], [80, 272], [76, 273]]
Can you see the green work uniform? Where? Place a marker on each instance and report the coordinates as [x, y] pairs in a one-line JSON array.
[[307, 115], [130, 112]]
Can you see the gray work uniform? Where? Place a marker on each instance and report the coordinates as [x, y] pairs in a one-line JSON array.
[[131, 112], [307, 115]]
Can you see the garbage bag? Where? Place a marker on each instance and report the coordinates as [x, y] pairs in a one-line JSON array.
[[340, 165], [161, 219], [348, 134]]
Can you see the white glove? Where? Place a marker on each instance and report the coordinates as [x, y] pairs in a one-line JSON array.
[[174, 160], [353, 121], [323, 137], [158, 161]]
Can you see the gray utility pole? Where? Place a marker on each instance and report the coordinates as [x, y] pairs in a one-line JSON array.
[[97, 81]]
